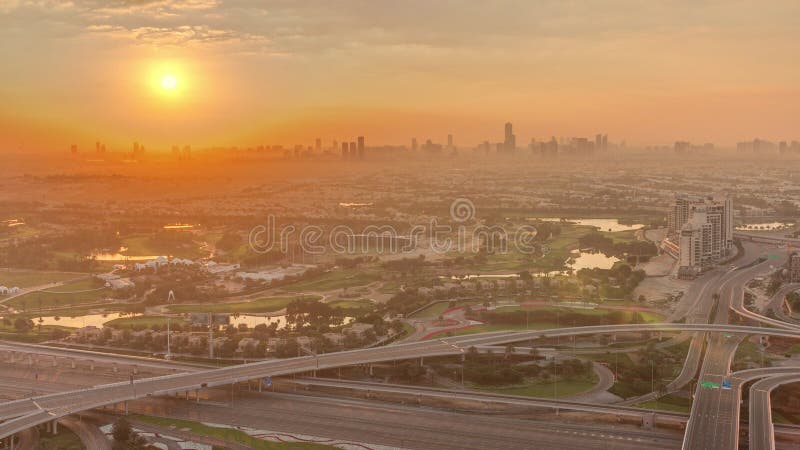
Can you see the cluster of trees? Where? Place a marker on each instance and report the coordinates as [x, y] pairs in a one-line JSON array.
[[563, 316], [488, 369], [607, 245], [617, 282], [125, 438], [407, 265]]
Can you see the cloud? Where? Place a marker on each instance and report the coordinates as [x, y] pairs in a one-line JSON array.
[[182, 35]]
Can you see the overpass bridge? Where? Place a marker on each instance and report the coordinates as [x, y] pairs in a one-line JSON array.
[[23, 414]]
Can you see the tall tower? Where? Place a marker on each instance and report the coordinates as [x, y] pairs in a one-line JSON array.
[[361, 147], [510, 141]]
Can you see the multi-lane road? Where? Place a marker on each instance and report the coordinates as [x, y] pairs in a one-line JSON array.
[[30, 412]]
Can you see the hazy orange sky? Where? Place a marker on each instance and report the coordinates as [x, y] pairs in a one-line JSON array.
[[263, 72]]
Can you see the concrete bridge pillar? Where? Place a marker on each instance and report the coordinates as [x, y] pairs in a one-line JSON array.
[[197, 395], [114, 367], [648, 421], [30, 359], [72, 363], [135, 369], [370, 370], [54, 426], [91, 365], [55, 361]]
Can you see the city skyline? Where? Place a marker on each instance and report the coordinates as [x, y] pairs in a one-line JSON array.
[[215, 73]]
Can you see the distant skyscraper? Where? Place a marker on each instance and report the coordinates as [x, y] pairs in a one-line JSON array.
[[598, 142], [318, 144], [97, 146], [361, 147], [510, 141], [73, 149], [449, 141], [344, 150], [605, 142], [353, 150], [414, 144]]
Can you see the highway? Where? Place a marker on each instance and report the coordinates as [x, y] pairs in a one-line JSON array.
[[30, 412], [762, 432], [367, 424], [714, 418], [431, 393]]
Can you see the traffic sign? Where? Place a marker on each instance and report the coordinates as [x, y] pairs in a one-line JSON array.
[[267, 381], [709, 384], [726, 384]]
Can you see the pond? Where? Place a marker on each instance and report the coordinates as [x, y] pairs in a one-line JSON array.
[[578, 260], [98, 320], [118, 256], [88, 320], [610, 225], [586, 260]]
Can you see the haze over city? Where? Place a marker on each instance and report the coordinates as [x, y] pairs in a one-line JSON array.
[[455, 224], [285, 72]]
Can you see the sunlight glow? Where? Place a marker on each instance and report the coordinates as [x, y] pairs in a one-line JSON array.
[[169, 82]]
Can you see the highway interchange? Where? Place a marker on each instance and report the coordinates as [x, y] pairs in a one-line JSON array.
[[713, 422]]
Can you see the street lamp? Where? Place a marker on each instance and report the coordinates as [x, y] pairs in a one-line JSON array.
[[170, 298]]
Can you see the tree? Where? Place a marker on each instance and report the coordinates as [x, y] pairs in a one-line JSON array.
[[122, 430], [125, 438], [23, 325]]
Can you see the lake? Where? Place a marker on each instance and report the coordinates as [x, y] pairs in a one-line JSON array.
[[610, 225]]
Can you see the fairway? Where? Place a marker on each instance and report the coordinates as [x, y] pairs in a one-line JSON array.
[[30, 278], [339, 279], [563, 388], [360, 304], [87, 291]]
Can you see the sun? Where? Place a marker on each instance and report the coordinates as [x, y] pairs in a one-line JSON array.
[[169, 82]]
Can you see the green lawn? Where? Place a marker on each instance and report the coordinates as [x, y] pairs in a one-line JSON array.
[[141, 245], [228, 434], [564, 388], [35, 335], [261, 305], [389, 287], [142, 322], [486, 328], [339, 279], [64, 440], [621, 236], [559, 250], [75, 293], [668, 403], [31, 278], [432, 311]]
